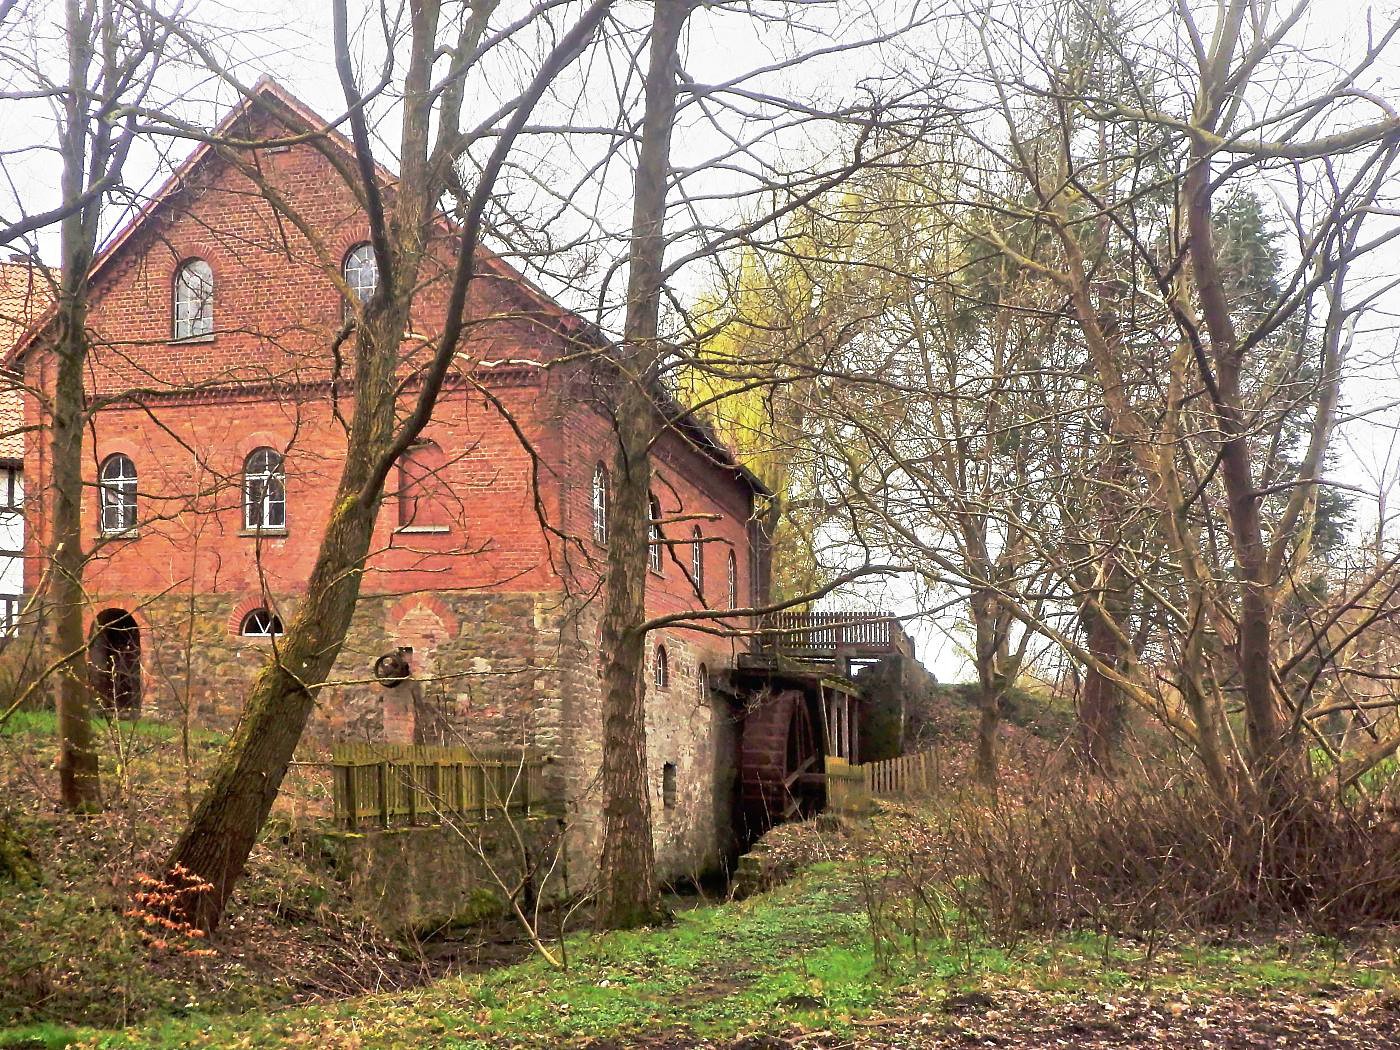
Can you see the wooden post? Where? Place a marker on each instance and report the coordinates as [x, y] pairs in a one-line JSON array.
[[827, 747], [352, 816]]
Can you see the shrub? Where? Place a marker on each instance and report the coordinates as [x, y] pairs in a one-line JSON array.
[[1141, 857]]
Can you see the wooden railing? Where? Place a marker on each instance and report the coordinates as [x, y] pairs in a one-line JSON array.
[[832, 632], [385, 785], [849, 788]]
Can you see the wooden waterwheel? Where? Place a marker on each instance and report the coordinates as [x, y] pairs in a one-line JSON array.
[[781, 762]]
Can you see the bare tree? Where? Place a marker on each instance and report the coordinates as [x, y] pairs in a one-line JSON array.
[[628, 894], [1221, 393], [403, 219], [111, 54]]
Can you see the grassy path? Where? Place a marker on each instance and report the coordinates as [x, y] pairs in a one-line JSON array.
[[800, 960]]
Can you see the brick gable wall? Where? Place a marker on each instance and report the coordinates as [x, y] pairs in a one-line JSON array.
[[498, 607]]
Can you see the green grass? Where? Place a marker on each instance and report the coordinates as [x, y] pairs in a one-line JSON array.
[[37, 1037], [30, 723], [800, 956], [44, 723]]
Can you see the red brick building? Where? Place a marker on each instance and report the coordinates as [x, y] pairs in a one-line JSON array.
[[217, 448]]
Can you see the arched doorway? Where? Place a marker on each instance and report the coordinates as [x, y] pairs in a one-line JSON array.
[[115, 653]]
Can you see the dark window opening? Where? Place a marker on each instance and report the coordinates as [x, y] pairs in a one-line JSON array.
[[697, 561], [114, 656], [13, 498], [668, 785]]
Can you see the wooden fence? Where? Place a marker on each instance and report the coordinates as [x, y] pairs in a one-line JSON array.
[[849, 787], [385, 785]]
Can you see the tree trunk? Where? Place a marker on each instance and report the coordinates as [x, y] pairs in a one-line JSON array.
[[1253, 649], [1100, 702], [627, 866], [1104, 616], [79, 788], [225, 825], [991, 685], [215, 845], [214, 848], [627, 890]]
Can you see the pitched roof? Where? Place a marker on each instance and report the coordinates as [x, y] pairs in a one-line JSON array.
[[267, 94], [24, 295]]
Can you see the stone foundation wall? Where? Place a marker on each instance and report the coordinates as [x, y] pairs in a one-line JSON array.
[[419, 881], [490, 670], [484, 671], [691, 728]]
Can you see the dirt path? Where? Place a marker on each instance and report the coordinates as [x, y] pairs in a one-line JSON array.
[[1022, 1022]]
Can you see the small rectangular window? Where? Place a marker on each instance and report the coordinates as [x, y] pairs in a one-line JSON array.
[[13, 495], [668, 786], [656, 539]]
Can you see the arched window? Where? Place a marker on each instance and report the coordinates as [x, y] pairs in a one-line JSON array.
[[264, 490], [660, 669], [702, 684], [656, 538], [261, 624], [733, 581], [118, 495], [422, 498], [600, 505], [361, 272], [193, 313], [697, 561]]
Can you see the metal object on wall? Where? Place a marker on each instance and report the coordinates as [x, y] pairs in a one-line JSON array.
[[391, 669]]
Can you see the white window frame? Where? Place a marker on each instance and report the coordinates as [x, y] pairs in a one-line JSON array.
[[697, 560], [600, 505], [269, 627], [733, 572], [361, 272], [14, 489], [660, 668], [192, 306], [655, 535], [117, 495], [265, 503]]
